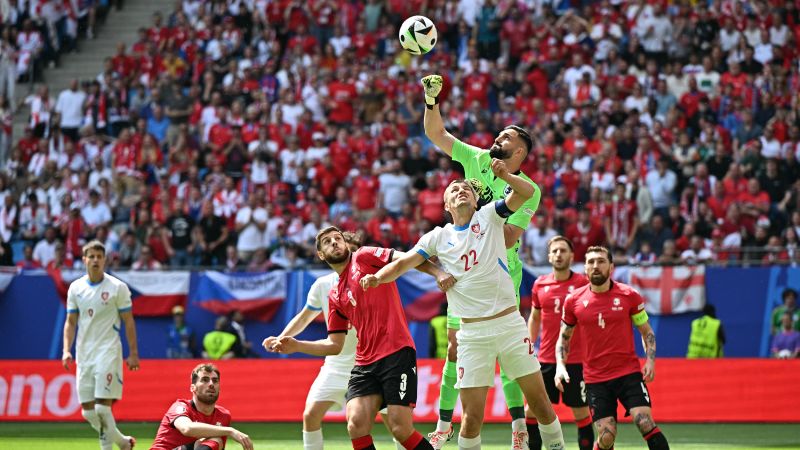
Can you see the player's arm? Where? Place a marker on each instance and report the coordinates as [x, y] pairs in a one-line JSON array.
[[443, 279], [521, 190], [511, 234], [331, 345], [534, 323], [649, 343], [295, 326], [393, 270], [70, 327], [199, 430], [130, 335], [433, 123], [562, 353]]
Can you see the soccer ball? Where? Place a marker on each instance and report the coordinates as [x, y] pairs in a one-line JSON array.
[[418, 35]]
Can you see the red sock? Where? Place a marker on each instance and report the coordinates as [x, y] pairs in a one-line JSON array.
[[530, 421], [413, 441], [362, 442], [584, 422], [652, 433]]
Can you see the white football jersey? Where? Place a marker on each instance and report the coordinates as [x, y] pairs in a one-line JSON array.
[[98, 307], [475, 255], [318, 300]]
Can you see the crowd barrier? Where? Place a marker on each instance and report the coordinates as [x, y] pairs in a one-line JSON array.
[[726, 390]]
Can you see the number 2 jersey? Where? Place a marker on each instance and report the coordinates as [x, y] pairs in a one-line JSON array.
[[548, 296], [169, 438], [475, 254], [606, 320], [377, 314]]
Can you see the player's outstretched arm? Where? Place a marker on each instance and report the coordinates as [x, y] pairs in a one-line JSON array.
[[562, 353], [393, 270], [299, 322], [199, 430], [332, 345], [70, 326], [521, 190], [433, 123], [130, 335], [649, 343], [443, 279]]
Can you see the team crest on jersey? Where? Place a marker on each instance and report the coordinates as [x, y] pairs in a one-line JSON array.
[[90, 312], [104, 296], [460, 373], [616, 306], [586, 303], [180, 409], [351, 298], [570, 288], [507, 190], [476, 228], [546, 289]]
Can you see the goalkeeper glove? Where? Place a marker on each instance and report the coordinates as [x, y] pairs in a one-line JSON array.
[[433, 86]]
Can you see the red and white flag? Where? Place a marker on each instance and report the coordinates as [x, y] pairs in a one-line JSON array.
[[670, 290]]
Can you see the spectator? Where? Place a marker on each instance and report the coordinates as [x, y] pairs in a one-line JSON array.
[[33, 219], [393, 190], [70, 107], [251, 227], [146, 260], [232, 261], [786, 341], [129, 250], [180, 337], [27, 262], [211, 236], [657, 234], [789, 299], [669, 254], [645, 256], [661, 182], [219, 343], [179, 226], [585, 233], [696, 253], [45, 249], [535, 239], [244, 349]]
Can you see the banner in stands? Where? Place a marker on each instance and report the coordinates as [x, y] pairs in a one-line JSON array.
[[670, 290], [275, 391], [257, 295]]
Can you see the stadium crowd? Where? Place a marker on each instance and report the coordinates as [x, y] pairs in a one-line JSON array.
[[231, 132]]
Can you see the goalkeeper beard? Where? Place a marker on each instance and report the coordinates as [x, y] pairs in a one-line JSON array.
[[497, 152]]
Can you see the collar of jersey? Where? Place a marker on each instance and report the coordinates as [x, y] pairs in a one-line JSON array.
[[461, 227], [94, 284]]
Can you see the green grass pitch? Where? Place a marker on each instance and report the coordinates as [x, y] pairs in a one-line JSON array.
[[287, 436]]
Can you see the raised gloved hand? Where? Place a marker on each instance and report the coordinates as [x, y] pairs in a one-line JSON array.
[[433, 86]]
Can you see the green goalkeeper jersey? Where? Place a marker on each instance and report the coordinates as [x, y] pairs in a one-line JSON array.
[[478, 164]]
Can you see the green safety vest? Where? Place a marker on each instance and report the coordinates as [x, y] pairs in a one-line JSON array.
[[439, 327], [217, 343], [704, 340]]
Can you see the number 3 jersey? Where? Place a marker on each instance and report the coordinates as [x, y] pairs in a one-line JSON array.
[[606, 322], [548, 296], [475, 254], [98, 306]]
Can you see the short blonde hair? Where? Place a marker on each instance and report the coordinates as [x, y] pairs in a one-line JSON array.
[[94, 245]]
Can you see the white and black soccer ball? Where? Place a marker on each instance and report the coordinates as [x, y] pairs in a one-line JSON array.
[[418, 35]]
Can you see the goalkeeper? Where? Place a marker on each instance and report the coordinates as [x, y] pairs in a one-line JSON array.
[[511, 145]]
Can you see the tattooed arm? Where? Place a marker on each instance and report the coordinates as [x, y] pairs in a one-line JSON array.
[[649, 344], [562, 353]]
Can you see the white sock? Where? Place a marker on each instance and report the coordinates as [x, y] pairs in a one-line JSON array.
[[312, 440], [519, 425], [109, 424], [442, 426], [91, 416], [398, 445], [552, 437], [469, 443]]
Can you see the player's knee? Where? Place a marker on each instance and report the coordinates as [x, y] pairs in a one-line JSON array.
[[606, 440], [311, 420], [471, 422], [401, 431], [357, 427], [644, 423], [607, 434]]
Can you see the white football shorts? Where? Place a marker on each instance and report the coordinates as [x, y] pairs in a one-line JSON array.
[[330, 385], [482, 344], [100, 380]]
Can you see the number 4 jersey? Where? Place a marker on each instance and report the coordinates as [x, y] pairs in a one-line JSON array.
[[475, 254], [606, 322]]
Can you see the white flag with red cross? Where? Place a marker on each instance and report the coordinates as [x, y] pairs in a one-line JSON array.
[[670, 290]]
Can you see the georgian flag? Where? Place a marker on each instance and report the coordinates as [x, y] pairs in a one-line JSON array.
[[670, 290]]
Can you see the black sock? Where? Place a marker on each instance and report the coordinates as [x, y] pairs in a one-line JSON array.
[[585, 437], [517, 412], [424, 445], [656, 440], [534, 437], [446, 415]]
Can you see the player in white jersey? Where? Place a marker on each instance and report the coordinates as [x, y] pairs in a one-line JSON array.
[[472, 248], [96, 304], [330, 386]]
